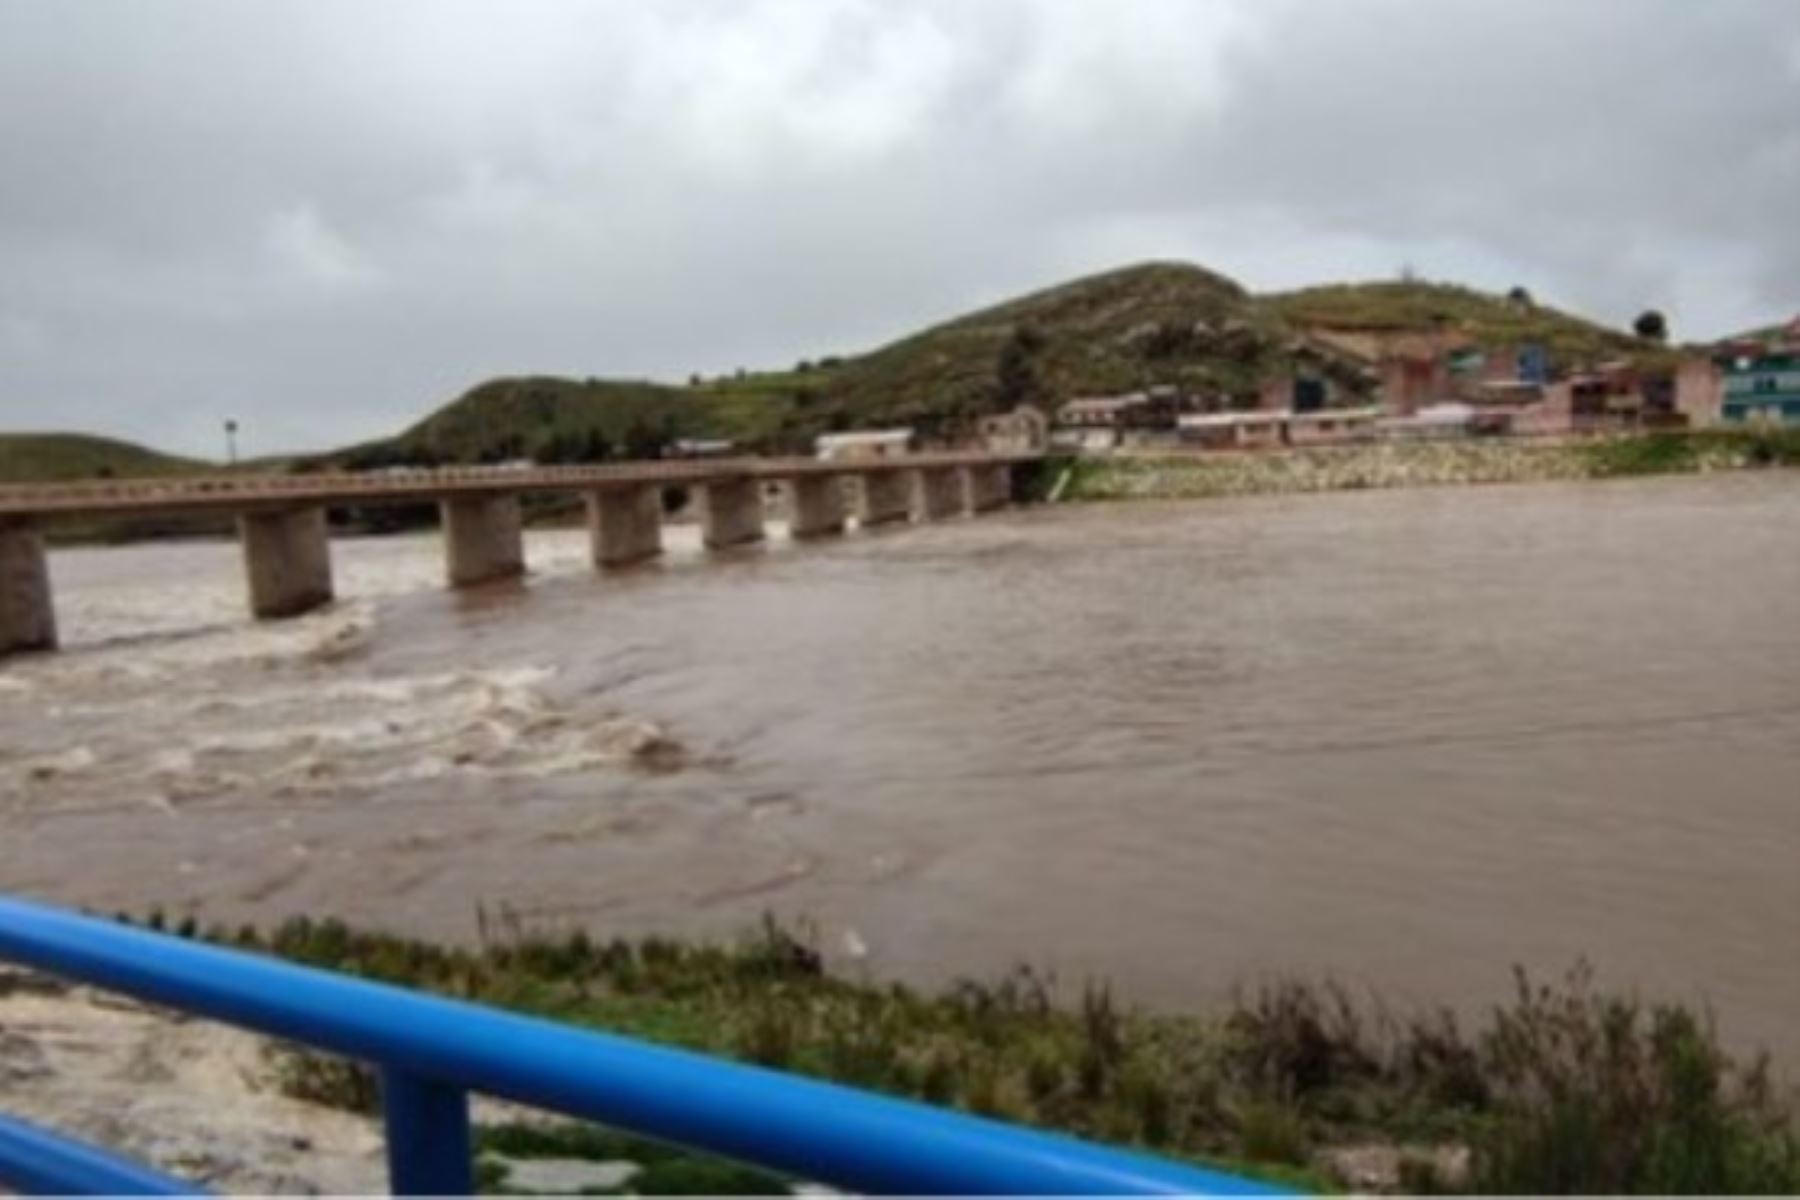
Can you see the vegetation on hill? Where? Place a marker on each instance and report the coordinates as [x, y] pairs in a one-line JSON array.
[[1152, 323], [62, 457], [1490, 320], [1156, 323], [1562, 1088], [1167, 323]]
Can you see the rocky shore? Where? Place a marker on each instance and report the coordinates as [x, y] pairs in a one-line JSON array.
[[1420, 464]]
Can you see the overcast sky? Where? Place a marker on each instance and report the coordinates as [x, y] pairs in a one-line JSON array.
[[325, 217]]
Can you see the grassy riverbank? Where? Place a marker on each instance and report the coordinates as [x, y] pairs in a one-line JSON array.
[[1419, 464], [1562, 1088]]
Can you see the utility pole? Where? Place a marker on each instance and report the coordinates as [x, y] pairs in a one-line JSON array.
[[231, 441]]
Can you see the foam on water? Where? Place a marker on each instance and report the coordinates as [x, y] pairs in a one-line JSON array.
[[177, 696]]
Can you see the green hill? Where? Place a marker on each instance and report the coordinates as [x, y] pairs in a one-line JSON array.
[[1490, 320], [1153, 323], [61, 457], [1147, 324], [1142, 325]]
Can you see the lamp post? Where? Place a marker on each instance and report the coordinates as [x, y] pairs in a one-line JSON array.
[[231, 428]]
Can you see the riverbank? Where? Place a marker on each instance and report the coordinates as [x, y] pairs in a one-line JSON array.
[[1563, 1088], [1425, 464]]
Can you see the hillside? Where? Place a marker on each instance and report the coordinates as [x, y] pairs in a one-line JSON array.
[[1159, 322], [1147, 324], [58, 457], [1416, 306]]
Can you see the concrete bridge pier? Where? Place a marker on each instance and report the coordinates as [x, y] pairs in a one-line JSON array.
[[818, 504], [287, 556], [625, 526], [887, 496], [990, 486], [484, 538], [731, 513], [941, 493], [27, 618]]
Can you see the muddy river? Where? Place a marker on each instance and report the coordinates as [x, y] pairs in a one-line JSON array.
[[1408, 738]]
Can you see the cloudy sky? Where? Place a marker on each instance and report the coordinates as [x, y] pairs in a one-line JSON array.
[[325, 217]]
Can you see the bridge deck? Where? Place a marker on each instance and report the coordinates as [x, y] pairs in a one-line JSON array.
[[239, 493]]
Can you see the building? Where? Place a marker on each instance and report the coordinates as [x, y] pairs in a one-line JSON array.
[[1411, 369], [1231, 430], [1102, 422], [701, 448], [1259, 430], [1024, 430], [1329, 426], [1431, 423], [1605, 397], [863, 444], [1155, 409], [1699, 390], [1762, 379]]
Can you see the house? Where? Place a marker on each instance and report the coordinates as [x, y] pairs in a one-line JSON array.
[[1261, 430], [701, 448], [1762, 379], [1024, 430], [1231, 430], [1699, 390], [1102, 422], [1154, 409], [1331, 425], [1410, 369], [1434, 421], [863, 444]]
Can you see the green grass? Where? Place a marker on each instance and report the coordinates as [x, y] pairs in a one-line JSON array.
[[66, 457], [1141, 325], [1490, 320], [1674, 453], [1151, 323], [1563, 1087]]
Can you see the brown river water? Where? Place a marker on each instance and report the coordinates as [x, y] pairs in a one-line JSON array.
[[1408, 738]]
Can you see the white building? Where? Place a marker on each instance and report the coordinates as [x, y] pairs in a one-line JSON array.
[[863, 443]]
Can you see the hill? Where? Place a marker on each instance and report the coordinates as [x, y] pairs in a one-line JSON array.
[[61, 457], [1157, 322], [1142, 325], [1488, 319]]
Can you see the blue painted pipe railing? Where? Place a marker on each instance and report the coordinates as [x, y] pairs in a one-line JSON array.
[[37, 1162], [433, 1052]]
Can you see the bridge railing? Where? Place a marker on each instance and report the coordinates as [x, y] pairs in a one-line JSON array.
[[432, 1052]]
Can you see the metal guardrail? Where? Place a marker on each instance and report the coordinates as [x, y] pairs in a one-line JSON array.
[[433, 1052], [36, 1162]]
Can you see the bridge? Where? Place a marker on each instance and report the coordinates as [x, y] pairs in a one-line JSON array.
[[282, 524]]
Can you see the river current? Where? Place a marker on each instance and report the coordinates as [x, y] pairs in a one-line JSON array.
[[1406, 738]]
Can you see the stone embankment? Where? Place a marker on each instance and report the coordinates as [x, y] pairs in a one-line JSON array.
[[1403, 464]]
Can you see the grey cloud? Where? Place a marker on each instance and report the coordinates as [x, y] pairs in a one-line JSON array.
[[325, 217]]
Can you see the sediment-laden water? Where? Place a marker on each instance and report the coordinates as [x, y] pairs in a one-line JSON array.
[[1410, 738]]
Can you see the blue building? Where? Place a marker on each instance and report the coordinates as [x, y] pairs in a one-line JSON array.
[[1762, 380]]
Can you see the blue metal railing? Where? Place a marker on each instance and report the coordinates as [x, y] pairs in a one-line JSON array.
[[433, 1052]]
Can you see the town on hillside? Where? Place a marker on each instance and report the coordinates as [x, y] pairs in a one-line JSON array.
[[1374, 385]]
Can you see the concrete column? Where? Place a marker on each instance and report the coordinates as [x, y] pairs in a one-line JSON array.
[[625, 526], [818, 504], [990, 486], [887, 496], [288, 559], [941, 493], [731, 513], [484, 538], [27, 619]]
